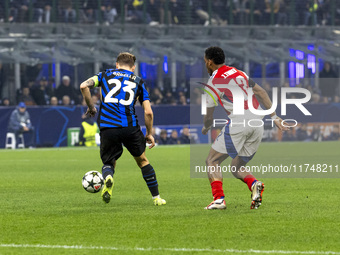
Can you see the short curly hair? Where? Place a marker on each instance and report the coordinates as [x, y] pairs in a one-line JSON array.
[[216, 54]]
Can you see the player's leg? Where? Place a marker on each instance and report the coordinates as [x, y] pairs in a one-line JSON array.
[[217, 155], [108, 169], [241, 172], [135, 143], [150, 178], [256, 187], [228, 143], [213, 162], [110, 150]]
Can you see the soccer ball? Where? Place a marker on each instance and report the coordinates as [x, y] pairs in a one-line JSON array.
[[93, 181]]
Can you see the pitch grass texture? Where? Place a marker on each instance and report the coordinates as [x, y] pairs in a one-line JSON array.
[[42, 202]]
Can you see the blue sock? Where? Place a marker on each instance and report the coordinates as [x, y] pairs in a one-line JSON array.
[[149, 176], [107, 170]]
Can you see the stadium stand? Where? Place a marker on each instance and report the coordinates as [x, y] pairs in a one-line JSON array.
[[43, 42]]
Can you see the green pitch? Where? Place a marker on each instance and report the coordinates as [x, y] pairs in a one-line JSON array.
[[43, 206]]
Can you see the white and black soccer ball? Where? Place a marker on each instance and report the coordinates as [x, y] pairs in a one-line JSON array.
[[93, 181]]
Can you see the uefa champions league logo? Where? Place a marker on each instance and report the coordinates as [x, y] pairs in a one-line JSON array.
[[241, 96]]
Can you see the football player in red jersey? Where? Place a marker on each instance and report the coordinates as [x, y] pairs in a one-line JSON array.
[[240, 141]]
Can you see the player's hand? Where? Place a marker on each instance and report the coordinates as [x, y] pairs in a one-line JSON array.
[[25, 128], [205, 130], [278, 123], [91, 111], [150, 140]]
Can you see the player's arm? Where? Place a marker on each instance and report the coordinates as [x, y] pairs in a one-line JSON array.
[[208, 120], [148, 117], [263, 98], [85, 90], [209, 117]]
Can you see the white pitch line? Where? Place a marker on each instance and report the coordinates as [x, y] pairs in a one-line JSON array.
[[81, 247]]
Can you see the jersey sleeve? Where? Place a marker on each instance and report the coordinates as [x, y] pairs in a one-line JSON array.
[[144, 94], [210, 95], [251, 83], [210, 100]]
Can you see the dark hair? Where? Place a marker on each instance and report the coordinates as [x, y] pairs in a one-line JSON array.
[[126, 58], [216, 54]]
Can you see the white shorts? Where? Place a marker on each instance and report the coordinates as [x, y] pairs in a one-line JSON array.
[[239, 141]]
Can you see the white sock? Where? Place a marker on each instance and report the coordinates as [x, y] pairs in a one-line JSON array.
[[156, 197]]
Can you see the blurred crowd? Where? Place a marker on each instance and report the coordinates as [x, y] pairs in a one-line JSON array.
[[169, 97], [40, 90], [162, 137], [153, 12], [305, 133], [65, 11], [43, 93], [328, 90]]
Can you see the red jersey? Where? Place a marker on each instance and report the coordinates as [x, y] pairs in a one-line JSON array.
[[226, 83]]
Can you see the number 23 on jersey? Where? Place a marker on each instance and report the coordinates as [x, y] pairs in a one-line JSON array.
[[128, 88]]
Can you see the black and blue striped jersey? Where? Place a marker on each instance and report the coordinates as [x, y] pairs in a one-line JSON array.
[[120, 90]]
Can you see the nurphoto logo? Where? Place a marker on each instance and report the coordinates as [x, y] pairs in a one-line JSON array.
[[242, 99]]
